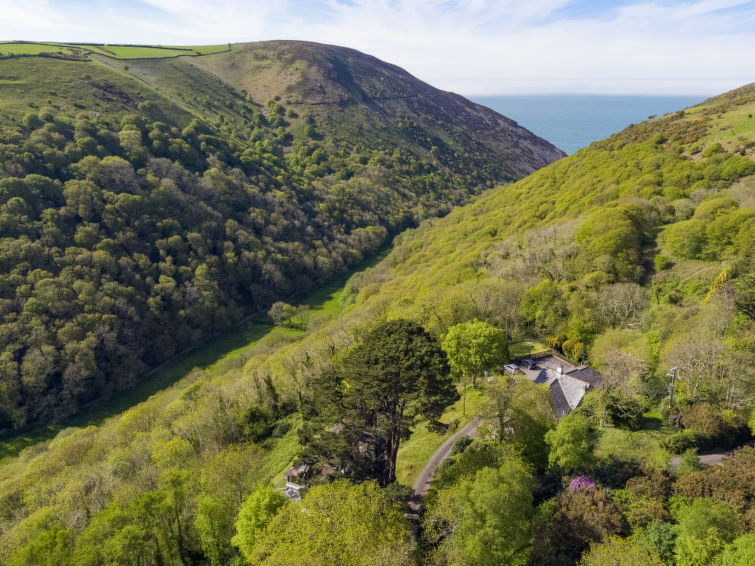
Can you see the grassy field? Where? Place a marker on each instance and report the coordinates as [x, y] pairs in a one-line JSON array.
[[416, 451], [114, 51], [519, 349], [206, 49], [638, 444], [32, 48], [137, 52], [74, 86]]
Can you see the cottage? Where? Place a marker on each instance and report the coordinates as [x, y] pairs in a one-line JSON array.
[[567, 383], [293, 482]]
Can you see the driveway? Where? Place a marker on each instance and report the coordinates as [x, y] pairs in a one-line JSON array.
[[715, 459], [425, 478]]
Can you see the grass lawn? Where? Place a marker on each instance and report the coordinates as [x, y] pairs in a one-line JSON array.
[[519, 349], [637, 444], [280, 452], [416, 451]]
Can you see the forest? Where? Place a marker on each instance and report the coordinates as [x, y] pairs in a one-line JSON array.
[[125, 243], [139, 219], [633, 256]]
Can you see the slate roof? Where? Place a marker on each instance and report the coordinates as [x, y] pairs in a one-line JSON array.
[[559, 400], [585, 373], [568, 384], [574, 389]]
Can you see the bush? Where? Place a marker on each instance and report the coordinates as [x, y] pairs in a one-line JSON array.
[[712, 149], [581, 482], [460, 445], [625, 412], [681, 442], [661, 262], [690, 462], [703, 419], [580, 518], [687, 238], [280, 429]]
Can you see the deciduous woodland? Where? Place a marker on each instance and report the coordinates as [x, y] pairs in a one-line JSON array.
[[130, 236], [633, 256]]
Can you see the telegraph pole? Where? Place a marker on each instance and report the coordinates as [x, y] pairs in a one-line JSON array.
[[673, 375]]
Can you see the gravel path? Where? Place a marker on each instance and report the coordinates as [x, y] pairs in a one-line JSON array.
[[425, 477], [706, 459]]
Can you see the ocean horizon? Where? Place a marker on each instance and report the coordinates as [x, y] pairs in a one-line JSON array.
[[573, 121]]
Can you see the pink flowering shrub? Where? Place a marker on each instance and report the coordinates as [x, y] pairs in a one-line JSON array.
[[581, 482]]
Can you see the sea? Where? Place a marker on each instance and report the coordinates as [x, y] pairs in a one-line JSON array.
[[572, 121]]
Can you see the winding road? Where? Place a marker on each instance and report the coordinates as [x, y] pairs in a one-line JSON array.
[[425, 478]]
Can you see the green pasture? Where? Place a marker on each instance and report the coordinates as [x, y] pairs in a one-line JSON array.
[[32, 48], [113, 51]]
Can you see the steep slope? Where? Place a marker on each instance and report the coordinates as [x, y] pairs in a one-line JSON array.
[[356, 96], [638, 249], [148, 205]]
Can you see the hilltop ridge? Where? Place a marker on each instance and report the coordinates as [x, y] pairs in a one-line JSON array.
[[342, 83]]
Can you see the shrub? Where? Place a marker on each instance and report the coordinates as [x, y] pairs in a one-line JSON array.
[[581, 482], [625, 412], [658, 139], [689, 462], [579, 519], [712, 149], [661, 262], [460, 445], [556, 342], [704, 420], [687, 238], [681, 441]]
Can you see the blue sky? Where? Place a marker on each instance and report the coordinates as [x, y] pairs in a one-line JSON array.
[[472, 47]]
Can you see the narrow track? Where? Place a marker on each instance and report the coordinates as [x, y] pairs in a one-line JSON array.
[[425, 478]]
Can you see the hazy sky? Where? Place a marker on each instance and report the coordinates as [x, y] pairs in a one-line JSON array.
[[471, 47]]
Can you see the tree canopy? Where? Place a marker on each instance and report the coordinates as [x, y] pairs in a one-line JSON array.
[[338, 523], [473, 347], [396, 373], [571, 444], [484, 519]]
